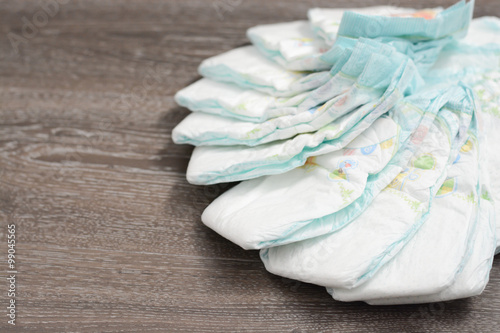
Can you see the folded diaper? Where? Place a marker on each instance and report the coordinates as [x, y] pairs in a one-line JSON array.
[[233, 102], [248, 68], [368, 83], [292, 45], [214, 164], [349, 257]]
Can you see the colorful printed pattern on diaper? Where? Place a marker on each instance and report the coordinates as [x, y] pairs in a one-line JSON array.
[[449, 186], [467, 146], [422, 162], [341, 173], [387, 143], [314, 109], [419, 134], [405, 176], [302, 41], [338, 175], [310, 164], [368, 150], [486, 195]]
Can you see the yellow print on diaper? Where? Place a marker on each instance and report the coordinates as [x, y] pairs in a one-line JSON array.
[[467, 146], [449, 186], [405, 176], [387, 144], [303, 41], [310, 164]]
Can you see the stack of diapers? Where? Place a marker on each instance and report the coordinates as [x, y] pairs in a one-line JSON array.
[[365, 143]]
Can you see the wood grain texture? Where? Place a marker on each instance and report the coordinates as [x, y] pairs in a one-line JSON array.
[[109, 231]]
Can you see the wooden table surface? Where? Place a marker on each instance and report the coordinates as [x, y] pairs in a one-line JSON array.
[[109, 237]]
